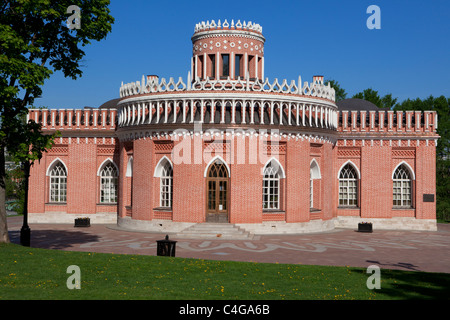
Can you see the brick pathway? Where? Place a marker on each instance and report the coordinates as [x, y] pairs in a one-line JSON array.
[[404, 250]]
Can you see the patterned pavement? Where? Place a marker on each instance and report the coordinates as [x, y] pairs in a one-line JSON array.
[[403, 250]]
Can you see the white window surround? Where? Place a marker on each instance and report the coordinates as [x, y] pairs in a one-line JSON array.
[[160, 166], [315, 170], [276, 164], [348, 185], [108, 173], [129, 172], [271, 186], [411, 171], [402, 186], [354, 166], [58, 182], [55, 161], [100, 168], [164, 171], [314, 173], [205, 173]]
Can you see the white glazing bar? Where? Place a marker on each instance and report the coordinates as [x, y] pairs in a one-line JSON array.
[[166, 111], [252, 111], [310, 115], [289, 113], [303, 114], [213, 111], [233, 111], [271, 112], [280, 107], [158, 105], [175, 113], [202, 114], [222, 106], [243, 113], [192, 111]]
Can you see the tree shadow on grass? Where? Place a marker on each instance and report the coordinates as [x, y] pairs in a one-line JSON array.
[[55, 239], [418, 285], [412, 284]]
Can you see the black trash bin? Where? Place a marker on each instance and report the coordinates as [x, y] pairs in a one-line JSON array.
[[166, 247]]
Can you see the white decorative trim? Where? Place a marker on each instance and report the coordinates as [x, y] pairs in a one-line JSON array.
[[354, 166], [160, 166], [283, 174], [129, 172], [318, 169], [49, 168], [104, 163], [212, 161], [411, 171]]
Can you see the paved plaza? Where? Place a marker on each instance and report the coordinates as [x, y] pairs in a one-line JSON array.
[[403, 250]]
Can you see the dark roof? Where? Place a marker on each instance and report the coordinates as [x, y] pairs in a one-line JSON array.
[[110, 104], [357, 104]]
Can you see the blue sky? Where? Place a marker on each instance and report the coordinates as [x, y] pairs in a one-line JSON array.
[[408, 57]]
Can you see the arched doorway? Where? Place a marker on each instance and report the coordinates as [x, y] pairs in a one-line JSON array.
[[217, 187]]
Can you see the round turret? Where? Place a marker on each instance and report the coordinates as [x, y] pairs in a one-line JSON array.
[[224, 50]]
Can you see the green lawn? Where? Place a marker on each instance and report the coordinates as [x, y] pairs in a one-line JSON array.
[[30, 273]]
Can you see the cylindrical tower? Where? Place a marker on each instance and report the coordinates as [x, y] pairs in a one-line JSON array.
[[224, 50], [221, 146]]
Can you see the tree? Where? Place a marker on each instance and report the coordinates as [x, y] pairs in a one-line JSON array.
[[381, 102], [340, 93], [37, 39]]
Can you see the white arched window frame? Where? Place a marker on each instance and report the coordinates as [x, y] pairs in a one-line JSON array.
[[213, 160], [272, 173], [129, 172], [57, 173], [348, 185], [314, 173], [402, 178], [108, 173], [164, 170]]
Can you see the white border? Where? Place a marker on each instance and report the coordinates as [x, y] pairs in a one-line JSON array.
[[212, 161], [411, 171], [354, 165], [159, 166], [51, 165], [103, 163]]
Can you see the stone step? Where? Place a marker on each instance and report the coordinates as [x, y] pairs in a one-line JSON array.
[[214, 231]]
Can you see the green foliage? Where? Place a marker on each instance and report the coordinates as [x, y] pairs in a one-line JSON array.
[[340, 93], [34, 42], [381, 102]]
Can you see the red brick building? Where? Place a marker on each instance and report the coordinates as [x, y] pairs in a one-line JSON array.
[[228, 145]]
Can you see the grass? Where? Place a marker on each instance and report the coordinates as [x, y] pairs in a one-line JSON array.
[[31, 273]]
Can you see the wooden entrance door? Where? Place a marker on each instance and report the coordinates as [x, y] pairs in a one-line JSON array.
[[217, 186]]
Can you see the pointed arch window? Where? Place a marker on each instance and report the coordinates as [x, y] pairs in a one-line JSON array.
[[348, 186], [166, 186], [164, 171], [402, 187], [314, 174], [58, 183], [271, 185], [108, 183]]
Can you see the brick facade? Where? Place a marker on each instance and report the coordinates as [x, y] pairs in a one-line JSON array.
[[162, 137]]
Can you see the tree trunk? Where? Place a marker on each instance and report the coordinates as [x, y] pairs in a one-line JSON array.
[[4, 236]]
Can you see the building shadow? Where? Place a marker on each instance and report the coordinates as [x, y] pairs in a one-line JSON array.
[[55, 239]]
